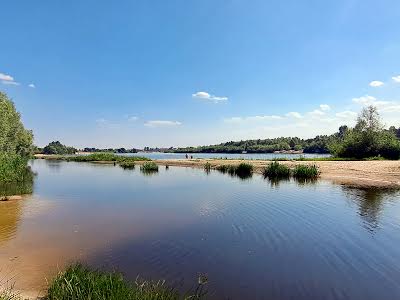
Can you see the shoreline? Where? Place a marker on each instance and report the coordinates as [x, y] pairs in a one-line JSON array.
[[383, 174]]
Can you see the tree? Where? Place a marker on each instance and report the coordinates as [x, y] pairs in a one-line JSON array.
[[368, 138], [58, 148], [14, 138]]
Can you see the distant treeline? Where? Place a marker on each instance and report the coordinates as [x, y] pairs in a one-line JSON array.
[[60, 149], [320, 144]]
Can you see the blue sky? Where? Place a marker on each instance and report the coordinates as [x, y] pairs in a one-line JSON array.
[[191, 72]]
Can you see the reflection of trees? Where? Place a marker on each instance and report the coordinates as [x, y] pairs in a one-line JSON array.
[[18, 188], [370, 203], [10, 214]]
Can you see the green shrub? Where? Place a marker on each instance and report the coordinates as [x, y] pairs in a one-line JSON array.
[[78, 282], [306, 171], [149, 167], [104, 156], [276, 170], [244, 169], [129, 165], [13, 168], [207, 167]]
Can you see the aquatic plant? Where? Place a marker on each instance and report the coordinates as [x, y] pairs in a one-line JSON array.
[[244, 170], [276, 170], [149, 167], [207, 167], [306, 171], [79, 282], [107, 157], [128, 165]]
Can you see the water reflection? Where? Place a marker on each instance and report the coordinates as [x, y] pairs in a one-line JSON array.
[[370, 203], [10, 215], [18, 188]]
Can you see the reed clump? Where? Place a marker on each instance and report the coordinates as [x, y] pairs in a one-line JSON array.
[[127, 165], [306, 171], [106, 157], [276, 170], [79, 282], [149, 167]]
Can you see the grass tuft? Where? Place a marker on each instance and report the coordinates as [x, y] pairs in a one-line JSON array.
[[149, 167], [78, 282], [306, 171], [127, 165], [110, 157], [276, 170]]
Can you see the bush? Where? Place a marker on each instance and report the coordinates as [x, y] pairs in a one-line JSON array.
[[13, 168], [58, 148], [78, 282], [276, 170], [244, 169], [129, 165], [306, 171], [104, 157], [149, 167]]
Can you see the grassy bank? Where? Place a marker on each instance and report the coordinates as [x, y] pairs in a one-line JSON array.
[[276, 170], [79, 282]]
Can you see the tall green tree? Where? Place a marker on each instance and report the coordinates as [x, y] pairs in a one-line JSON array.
[[14, 138]]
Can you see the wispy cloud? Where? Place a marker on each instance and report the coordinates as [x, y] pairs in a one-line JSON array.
[[383, 106], [316, 113], [252, 119], [31, 85], [294, 114], [7, 79], [396, 78], [132, 118], [347, 114], [162, 123], [325, 107], [208, 97], [376, 83]]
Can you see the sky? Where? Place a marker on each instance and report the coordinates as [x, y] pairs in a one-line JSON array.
[[194, 72]]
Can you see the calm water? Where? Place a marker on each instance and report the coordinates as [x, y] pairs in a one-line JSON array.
[[159, 155], [254, 239]]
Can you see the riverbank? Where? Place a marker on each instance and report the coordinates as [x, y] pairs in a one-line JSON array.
[[362, 174]]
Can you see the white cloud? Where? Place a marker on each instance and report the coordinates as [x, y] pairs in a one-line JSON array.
[[252, 119], [31, 85], [316, 113], [376, 83], [347, 114], [162, 123], [9, 82], [6, 77], [370, 100], [207, 96], [325, 107], [396, 78], [294, 114]]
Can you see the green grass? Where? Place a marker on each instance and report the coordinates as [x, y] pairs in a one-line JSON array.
[[149, 167], [243, 170], [128, 165], [306, 171], [109, 157], [276, 170], [79, 282]]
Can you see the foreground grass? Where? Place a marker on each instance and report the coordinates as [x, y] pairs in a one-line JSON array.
[[306, 171], [276, 170], [78, 282]]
